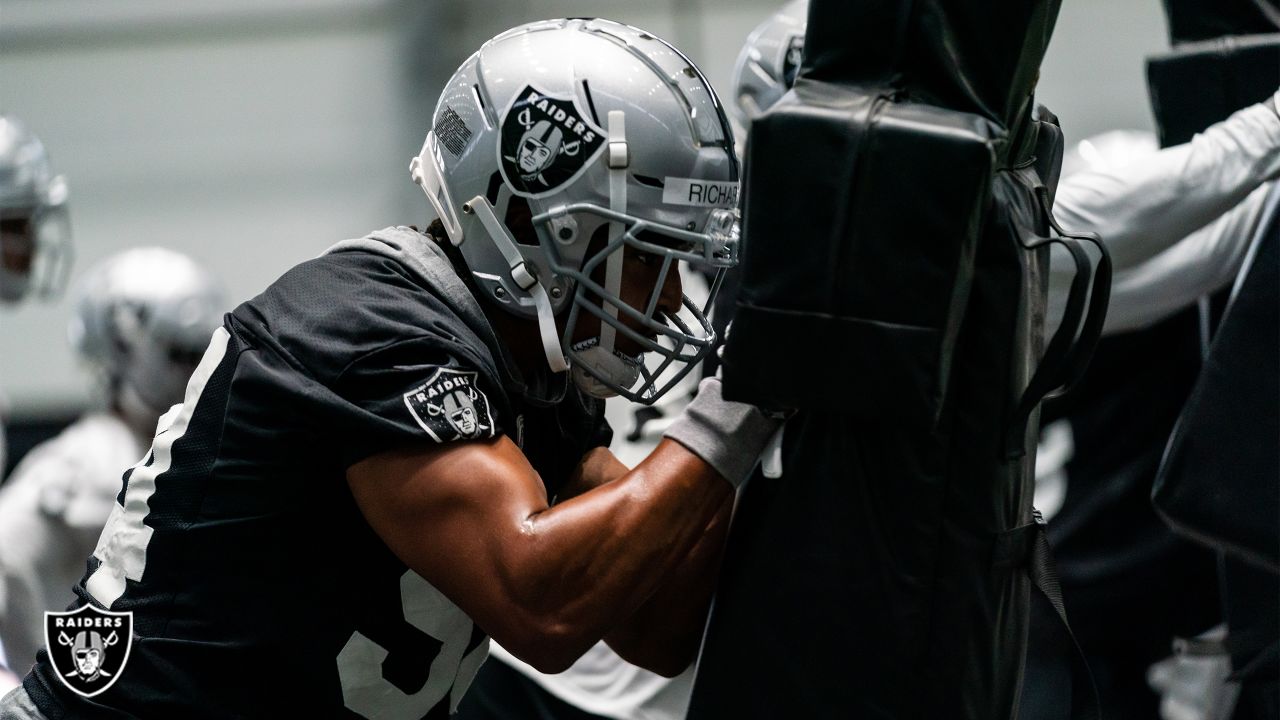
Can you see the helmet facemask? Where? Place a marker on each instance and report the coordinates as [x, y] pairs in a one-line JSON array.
[[35, 247], [35, 235], [673, 342]]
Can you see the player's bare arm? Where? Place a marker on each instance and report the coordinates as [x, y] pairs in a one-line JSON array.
[[545, 582], [597, 467], [664, 633]]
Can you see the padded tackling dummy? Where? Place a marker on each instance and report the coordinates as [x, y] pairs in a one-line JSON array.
[[1219, 482], [897, 223], [1200, 83], [1193, 20], [1131, 584]]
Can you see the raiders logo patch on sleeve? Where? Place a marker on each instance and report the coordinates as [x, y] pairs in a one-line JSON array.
[[545, 143], [451, 406]]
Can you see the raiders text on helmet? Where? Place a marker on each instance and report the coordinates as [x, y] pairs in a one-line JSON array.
[[602, 137]]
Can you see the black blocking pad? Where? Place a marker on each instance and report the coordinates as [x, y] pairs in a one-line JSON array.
[[868, 275], [1194, 20], [1200, 83]]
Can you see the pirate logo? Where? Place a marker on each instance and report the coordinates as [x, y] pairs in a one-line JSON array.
[[538, 147], [545, 143], [791, 61], [88, 647], [449, 406]]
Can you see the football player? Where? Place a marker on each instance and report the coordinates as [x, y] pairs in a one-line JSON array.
[[35, 238], [1177, 220], [35, 250], [357, 489], [601, 684], [142, 320]]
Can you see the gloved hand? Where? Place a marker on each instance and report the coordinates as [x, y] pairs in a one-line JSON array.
[[728, 436], [1194, 687]]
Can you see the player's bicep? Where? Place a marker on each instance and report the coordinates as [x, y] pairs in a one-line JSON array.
[[455, 514], [597, 467]]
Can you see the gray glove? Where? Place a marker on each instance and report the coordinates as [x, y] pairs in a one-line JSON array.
[[728, 436]]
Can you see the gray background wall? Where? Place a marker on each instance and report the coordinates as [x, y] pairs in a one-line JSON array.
[[252, 134]]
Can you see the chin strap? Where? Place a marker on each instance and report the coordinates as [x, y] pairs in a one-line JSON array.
[[523, 279], [425, 172], [619, 159]]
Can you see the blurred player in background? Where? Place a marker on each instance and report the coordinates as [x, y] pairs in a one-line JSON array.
[[35, 245], [142, 319]]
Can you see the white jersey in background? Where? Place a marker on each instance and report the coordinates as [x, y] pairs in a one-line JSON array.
[[52, 510], [1176, 222]]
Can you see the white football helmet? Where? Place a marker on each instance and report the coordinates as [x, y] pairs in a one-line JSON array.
[[143, 318], [35, 235], [602, 137], [767, 65]]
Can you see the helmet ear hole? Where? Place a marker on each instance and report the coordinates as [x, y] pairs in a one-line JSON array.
[[519, 220], [495, 185]]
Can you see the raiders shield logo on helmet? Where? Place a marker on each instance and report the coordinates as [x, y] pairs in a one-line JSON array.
[[545, 143], [449, 406], [88, 647]]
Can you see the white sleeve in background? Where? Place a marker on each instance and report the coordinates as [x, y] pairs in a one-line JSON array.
[[1203, 262], [1146, 206], [1144, 209], [51, 513]]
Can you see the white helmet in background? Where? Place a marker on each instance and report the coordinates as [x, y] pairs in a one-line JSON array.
[[1109, 151], [143, 317], [596, 136], [767, 65], [35, 235]]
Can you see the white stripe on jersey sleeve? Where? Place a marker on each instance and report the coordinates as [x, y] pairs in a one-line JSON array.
[[122, 547]]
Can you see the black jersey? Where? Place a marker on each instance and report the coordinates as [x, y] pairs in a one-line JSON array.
[[257, 588]]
